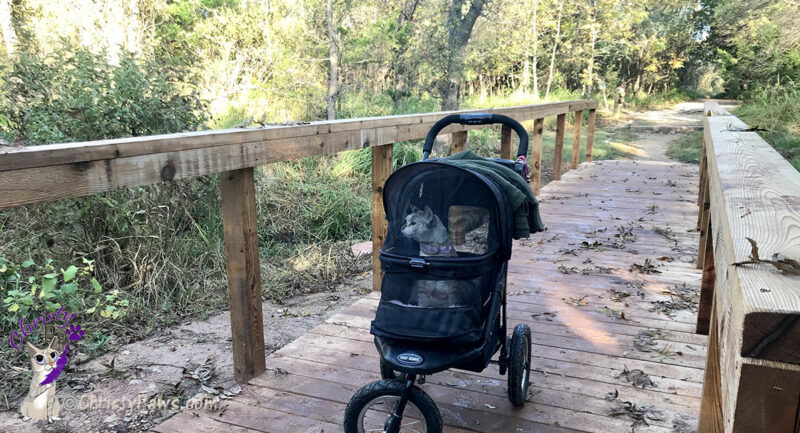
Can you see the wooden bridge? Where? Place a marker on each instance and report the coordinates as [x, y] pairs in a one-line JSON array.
[[610, 290]]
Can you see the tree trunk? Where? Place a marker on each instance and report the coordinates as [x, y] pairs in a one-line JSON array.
[[460, 29], [555, 48], [535, 54], [333, 57], [6, 27], [590, 68]]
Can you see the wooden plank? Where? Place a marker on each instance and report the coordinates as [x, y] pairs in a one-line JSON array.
[[576, 139], [243, 266], [707, 288], [505, 142], [186, 423], [590, 125], [70, 153], [535, 163], [382, 160], [558, 154], [704, 226], [458, 142], [711, 416], [768, 400]]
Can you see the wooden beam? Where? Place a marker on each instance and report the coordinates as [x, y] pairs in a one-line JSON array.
[[535, 162], [707, 286], [704, 225], [701, 196], [576, 139], [505, 142], [558, 155], [590, 124], [458, 142], [46, 173], [69, 153], [381, 169], [711, 416], [243, 266]]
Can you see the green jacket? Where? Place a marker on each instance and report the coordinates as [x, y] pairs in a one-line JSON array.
[[523, 203]]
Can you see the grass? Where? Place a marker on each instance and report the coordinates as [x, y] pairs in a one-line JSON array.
[[777, 111], [688, 148]]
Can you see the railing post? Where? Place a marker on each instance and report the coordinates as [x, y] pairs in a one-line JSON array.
[[243, 266], [458, 142], [590, 134], [505, 142], [381, 169], [576, 139], [705, 217], [707, 286], [536, 156], [558, 154], [711, 420]]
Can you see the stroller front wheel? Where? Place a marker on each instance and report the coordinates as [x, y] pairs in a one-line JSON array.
[[519, 368], [372, 406]]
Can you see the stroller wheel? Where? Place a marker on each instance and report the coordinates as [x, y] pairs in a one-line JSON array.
[[370, 409], [519, 367], [388, 373]]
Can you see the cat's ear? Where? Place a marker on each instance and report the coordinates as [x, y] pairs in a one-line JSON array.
[[428, 213], [54, 343], [32, 350], [413, 208]]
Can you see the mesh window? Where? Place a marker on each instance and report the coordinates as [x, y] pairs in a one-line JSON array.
[[435, 210], [422, 305]]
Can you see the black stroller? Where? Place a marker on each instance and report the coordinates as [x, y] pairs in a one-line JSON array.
[[443, 293]]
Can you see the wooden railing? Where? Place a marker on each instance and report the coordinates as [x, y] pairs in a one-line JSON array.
[[52, 172], [751, 310]]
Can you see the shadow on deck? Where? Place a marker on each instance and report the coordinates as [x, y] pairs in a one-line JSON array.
[[610, 292]]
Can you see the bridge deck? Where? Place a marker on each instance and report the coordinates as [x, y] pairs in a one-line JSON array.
[[609, 292]]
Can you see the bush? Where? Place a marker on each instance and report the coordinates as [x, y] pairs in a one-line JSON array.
[[75, 95], [778, 111]]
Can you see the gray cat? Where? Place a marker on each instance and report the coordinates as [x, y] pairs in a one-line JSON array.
[[423, 226], [41, 402]]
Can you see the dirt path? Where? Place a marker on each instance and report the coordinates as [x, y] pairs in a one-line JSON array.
[[179, 361]]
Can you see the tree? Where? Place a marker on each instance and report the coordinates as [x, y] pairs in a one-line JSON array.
[[333, 60], [459, 31], [555, 48]]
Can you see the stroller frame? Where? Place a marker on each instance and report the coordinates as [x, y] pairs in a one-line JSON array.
[[406, 363]]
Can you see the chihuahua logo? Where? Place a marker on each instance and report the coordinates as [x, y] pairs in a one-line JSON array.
[[47, 364]]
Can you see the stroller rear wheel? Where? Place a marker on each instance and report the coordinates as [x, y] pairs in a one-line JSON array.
[[519, 368], [371, 410]]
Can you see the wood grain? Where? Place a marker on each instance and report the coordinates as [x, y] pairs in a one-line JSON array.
[[381, 169], [505, 142], [458, 142], [558, 155], [535, 162], [243, 266], [576, 139], [590, 125]]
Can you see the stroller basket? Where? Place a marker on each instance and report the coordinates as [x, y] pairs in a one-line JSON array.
[[440, 303]]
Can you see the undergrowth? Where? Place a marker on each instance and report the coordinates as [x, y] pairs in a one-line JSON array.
[[777, 111], [687, 148]]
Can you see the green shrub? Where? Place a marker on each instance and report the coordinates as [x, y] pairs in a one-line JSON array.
[[777, 110], [688, 148]]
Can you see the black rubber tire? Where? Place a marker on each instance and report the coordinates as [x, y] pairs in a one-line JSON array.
[[433, 419], [388, 373], [519, 365]]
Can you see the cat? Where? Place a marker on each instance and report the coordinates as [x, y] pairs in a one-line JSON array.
[[41, 402], [463, 220], [426, 228]]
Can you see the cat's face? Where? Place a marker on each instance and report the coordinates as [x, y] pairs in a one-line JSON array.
[[418, 223], [43, 360]]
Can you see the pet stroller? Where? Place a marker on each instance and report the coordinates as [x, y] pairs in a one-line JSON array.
[[443, 293]]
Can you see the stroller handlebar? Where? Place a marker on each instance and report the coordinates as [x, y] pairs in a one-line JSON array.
[[476, 119]]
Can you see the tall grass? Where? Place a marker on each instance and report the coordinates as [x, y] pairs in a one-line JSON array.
[[778, 111]]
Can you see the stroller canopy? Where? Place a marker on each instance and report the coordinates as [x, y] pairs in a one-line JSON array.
[[440, 210]]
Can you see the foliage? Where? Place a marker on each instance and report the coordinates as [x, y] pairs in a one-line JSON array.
[[74, 94], [687, 148], [778, 112]]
